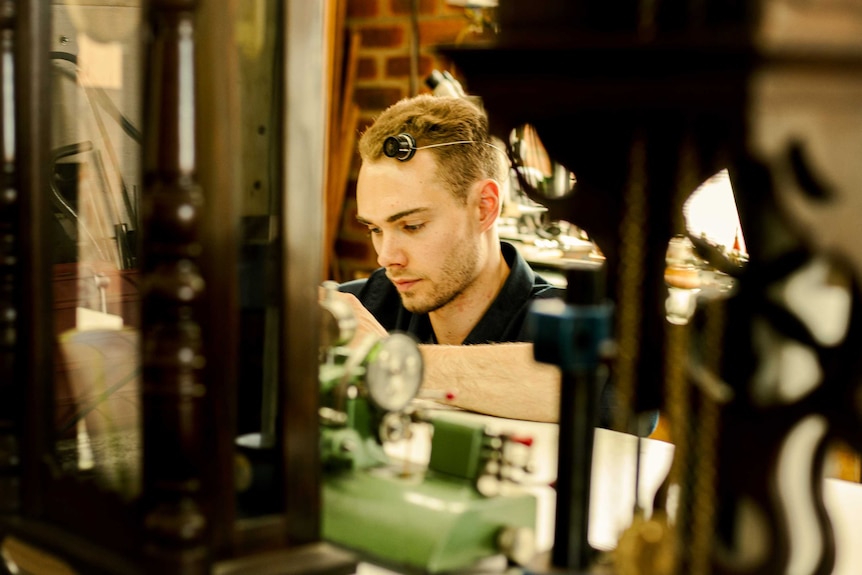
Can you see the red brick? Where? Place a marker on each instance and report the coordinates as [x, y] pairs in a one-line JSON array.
[[377, 97], [366, 69], [399, 66], [402, 7], [383, 77], [382, 36], [362, 8], [440, 31]]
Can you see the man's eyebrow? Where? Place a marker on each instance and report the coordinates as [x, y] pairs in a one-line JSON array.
[[393, 217]]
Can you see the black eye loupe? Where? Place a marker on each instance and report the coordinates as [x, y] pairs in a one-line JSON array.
[[401, 147]]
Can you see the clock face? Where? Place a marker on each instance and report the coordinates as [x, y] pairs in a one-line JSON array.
[[394, 372]]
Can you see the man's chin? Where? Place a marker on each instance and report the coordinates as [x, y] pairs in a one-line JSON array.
[[412, 305]]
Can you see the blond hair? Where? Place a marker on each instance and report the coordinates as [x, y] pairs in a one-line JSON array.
[[437, 120]]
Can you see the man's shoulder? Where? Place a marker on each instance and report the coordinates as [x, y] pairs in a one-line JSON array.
[[543, 289], [522, 274], [353, 286]]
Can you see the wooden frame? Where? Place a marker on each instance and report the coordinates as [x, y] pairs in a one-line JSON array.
[[180, 523]]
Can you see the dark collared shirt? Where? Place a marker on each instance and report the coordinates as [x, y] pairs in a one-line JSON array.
[[503, 322]]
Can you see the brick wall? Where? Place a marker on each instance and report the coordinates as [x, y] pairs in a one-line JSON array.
[[383, 76]]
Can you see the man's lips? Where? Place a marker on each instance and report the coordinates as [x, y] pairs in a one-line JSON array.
[[403, 285]]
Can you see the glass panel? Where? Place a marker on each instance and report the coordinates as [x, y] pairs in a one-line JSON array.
[[96, 180]]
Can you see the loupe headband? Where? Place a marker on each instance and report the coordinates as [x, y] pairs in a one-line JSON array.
[[403, 146]]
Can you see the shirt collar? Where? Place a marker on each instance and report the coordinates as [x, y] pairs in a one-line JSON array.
[[515, 291]]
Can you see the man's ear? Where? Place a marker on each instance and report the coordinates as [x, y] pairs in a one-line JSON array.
[[489, 204]]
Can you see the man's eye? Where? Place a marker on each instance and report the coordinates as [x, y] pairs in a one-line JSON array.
[[413, 227], [373, 231]]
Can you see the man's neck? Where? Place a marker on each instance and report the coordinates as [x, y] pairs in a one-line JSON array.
[[454, 322]]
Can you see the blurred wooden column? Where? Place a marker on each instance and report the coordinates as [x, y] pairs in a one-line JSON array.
[[172, 354], [10, 288], [30, 119]]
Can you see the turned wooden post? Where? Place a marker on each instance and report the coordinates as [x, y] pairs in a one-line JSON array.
[[172, 354], [10, 382], [26, 214]]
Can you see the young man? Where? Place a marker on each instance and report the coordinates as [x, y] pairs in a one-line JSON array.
[[429, 191]]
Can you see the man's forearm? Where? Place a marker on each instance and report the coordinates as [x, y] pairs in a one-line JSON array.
[[499, 379]]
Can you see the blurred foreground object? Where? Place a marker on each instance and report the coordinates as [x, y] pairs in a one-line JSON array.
[[643, 102]]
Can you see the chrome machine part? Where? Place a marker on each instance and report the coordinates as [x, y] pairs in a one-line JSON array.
[[394, 372]]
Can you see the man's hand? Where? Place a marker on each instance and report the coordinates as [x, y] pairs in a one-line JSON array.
[[366, 325]]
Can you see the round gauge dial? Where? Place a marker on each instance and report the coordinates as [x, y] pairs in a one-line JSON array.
[[394, 372]]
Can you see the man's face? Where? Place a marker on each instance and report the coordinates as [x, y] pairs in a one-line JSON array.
[[425, 238]]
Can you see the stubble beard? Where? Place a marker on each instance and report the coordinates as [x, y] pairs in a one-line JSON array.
[[458, 273]]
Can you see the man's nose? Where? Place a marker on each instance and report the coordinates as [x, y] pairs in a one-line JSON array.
[[390, 252]]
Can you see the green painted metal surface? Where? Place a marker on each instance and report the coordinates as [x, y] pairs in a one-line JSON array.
[[456, 449], [430, 519], [423, 522]]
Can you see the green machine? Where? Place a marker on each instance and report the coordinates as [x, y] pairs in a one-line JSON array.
[[462, 507]]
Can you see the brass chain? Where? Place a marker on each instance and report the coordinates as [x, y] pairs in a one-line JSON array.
[[643, 547], [660, 545], [630, 284], [705, 472], [699, 471], [677, 391]]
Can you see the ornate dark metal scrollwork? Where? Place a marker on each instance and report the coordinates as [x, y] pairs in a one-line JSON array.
[[733, 82]]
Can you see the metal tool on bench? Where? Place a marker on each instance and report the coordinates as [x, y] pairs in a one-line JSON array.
[[464, 506]]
